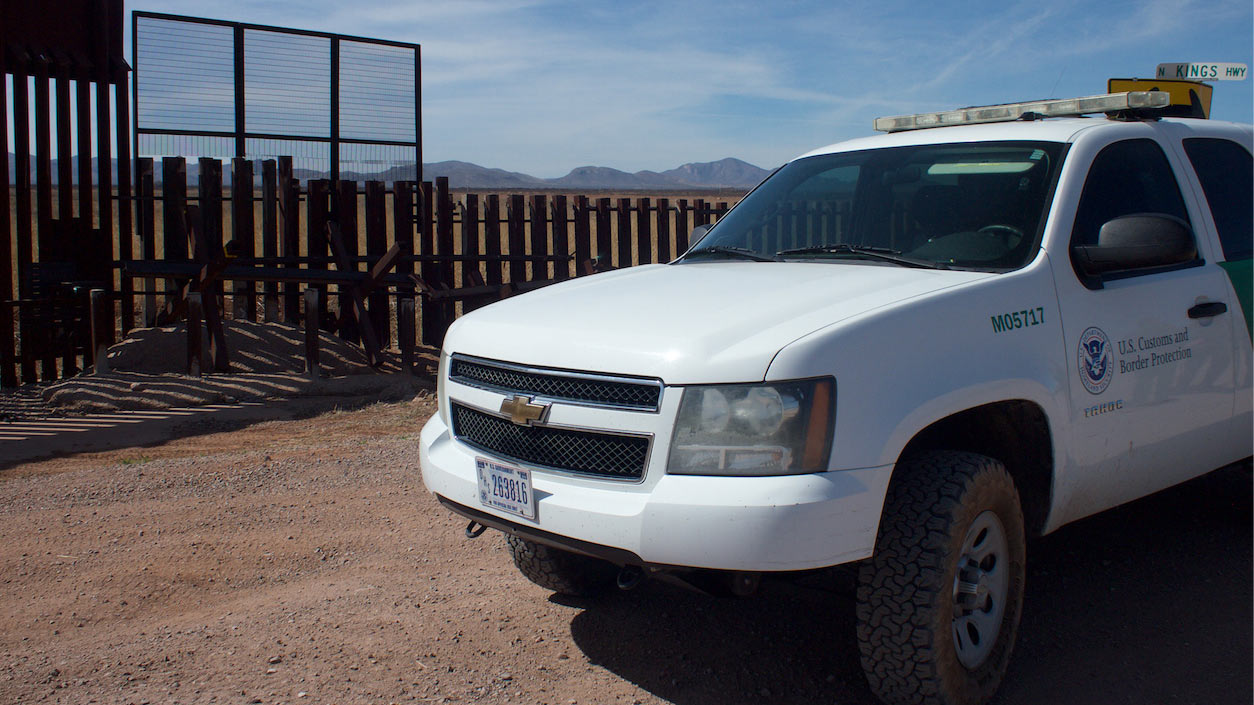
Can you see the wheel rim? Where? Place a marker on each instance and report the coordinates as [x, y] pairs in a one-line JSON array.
[[981, 584]]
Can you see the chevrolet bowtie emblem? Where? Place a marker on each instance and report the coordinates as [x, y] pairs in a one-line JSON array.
[[524, 412]]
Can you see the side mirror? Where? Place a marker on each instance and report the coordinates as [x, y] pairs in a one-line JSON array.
[[1137, 241], [697, 233]]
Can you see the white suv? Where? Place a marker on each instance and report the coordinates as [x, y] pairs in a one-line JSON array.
[[910, 350]]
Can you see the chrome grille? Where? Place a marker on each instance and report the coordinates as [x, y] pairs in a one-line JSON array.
[[560, 385], [589, 452]]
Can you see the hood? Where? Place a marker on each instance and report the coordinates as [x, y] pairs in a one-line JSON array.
[[710, 322]]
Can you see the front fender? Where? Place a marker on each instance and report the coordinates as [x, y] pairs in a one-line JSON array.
[[903, 367]]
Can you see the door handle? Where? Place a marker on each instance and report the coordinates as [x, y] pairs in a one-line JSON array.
[[1208, 309]]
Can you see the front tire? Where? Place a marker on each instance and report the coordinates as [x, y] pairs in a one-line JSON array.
[[938, 605], [561, 571]]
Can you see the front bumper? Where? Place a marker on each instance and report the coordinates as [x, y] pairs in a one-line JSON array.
[[791, 522]]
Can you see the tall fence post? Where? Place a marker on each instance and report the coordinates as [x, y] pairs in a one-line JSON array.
[[492, 238], [269, 236], [195, 356], [122, 109], [211, 231], [104, 174], [101, 312], [663, 230], [430, 269], [517, 246], [644, 233], [23, 225], [470, 274], [146, 222], [624, 234], [403, 220], [8, 375], [65, 202], [173, 225], [583, 234], [603, 254], [444, 246], [561, 238], [312, 327], [317, 207], [243, 236], [289, 241], [345, 214], [405, 333], [376, 247], [539, 237], [44, 241], [681, 227]]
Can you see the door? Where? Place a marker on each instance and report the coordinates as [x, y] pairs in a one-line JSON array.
[[1150, 350]]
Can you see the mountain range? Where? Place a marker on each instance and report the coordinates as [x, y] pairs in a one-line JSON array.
[[725, 173]]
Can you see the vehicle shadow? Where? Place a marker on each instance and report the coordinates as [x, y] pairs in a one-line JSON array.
[[1147, 603]]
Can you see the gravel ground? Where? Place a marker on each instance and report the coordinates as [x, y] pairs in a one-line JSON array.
[[303, 562]]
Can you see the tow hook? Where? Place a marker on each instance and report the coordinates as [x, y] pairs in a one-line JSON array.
[[630, 577], [474, 530]]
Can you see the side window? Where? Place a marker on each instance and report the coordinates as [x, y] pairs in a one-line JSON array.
[[1226, 171], [1127, 177]]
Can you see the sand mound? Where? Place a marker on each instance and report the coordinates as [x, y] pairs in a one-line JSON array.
[[253, 348], [146, 371]]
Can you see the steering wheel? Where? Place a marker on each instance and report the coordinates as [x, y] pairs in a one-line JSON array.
[[1010, 235]]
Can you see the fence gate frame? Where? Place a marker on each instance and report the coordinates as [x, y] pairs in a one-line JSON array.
[[240, 134]]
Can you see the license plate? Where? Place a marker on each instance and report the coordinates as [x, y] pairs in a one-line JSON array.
[[505, 487]]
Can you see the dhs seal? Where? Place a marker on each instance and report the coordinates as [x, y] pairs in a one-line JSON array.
[[1096, 361]]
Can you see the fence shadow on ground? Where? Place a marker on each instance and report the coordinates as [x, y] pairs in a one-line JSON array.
[[137, 410]]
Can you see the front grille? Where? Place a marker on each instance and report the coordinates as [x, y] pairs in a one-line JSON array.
[[604, 454], [580, 388]]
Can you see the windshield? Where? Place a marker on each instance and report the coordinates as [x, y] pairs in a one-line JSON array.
[[966, 205]]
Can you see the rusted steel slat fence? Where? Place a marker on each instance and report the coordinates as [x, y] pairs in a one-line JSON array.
[[265, 237]]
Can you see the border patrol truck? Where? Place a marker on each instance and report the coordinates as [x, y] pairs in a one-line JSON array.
[[907, 353]]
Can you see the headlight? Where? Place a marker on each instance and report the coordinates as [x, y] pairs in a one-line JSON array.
[[754, 429], [441, 397]]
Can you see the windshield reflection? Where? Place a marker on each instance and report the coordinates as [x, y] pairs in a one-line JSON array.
[[966, 205]]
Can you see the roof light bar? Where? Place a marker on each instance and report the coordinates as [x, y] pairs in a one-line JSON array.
[[1066, 107]]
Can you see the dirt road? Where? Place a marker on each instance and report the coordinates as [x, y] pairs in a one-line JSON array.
[[303, 562]]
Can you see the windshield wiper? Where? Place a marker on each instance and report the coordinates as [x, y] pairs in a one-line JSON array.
[[741, 252], [884, 254]]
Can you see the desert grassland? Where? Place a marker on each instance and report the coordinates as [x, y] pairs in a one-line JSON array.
[[712, 197]]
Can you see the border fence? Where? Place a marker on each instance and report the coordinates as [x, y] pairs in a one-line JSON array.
[[60, 216], [379, 261], [94, 243]]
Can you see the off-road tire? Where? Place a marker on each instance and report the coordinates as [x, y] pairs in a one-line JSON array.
[[905, 599], [561, 571]]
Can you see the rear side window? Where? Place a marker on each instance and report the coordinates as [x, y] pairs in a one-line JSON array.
[[1127, 177], [1226, 171]]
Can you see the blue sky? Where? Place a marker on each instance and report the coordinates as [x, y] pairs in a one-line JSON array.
[[543, 86]]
